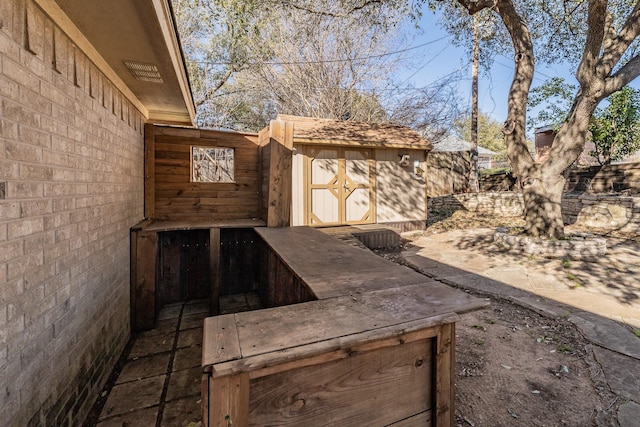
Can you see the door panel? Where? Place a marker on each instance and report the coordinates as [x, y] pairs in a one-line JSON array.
[[340, 186], [358, 206], [357, 198]]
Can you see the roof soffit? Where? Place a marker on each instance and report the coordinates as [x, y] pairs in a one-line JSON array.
[[110, 32]]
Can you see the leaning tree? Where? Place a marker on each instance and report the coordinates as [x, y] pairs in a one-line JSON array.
[[601, 39]]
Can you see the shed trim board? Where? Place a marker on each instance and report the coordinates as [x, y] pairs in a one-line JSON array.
[[361, 144]]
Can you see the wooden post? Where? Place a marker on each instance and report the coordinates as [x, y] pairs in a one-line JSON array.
[[144, 286], [214, 271], [228, 401], [280, 169], [149, 171], [445, 375]]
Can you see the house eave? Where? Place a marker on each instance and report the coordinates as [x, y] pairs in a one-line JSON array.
[[109, 33]]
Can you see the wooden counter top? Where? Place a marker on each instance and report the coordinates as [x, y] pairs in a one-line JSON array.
[[361, 296], [257, 339], [158, 225]]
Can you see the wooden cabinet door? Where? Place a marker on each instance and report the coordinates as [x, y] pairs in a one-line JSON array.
[[184, 272]]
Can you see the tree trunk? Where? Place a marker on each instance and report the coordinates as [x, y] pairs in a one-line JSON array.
[[542, 193]]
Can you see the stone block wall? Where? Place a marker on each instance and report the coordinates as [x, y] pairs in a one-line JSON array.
[[71, 185], [592, 210], [624, 177], [619, 178], [499, 203], [602, 211]]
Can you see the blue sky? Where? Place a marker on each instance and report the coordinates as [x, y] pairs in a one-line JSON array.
[[440, 58]]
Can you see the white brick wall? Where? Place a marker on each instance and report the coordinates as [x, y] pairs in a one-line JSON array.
[[71, 163]]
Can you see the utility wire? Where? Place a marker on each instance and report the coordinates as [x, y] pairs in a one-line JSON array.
[[329, 61]]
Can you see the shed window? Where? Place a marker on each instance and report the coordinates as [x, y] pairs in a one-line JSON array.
[[212, 164]]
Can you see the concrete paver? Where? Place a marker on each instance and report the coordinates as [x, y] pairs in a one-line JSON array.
[[629, 414], [142, 418], [144, 367], [133, 395], [182, 412], [185, 383], [159, 383]]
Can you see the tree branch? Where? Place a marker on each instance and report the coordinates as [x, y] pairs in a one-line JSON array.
[[596, 19], [623, 76], [475, 6], [515, 125], [304, 8], [618, 45]]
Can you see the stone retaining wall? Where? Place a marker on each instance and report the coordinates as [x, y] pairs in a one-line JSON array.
[[593, 210], [499, 203]]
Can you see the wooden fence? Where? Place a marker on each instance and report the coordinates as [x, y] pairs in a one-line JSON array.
[[447, 173]]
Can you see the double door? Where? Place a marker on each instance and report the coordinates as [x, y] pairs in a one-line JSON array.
[[340, 186]]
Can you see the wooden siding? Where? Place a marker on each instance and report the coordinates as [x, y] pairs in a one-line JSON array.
[[401, 194], [171, 194], [376, 387]]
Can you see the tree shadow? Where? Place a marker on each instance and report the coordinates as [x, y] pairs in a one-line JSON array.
[[615, 274], [617, 347]]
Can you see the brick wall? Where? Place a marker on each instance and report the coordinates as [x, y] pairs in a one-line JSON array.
[[71, 185]]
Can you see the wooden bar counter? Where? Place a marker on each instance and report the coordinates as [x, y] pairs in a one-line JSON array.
[[375, 348]]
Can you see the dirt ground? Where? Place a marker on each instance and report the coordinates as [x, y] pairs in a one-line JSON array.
[[516, 367]]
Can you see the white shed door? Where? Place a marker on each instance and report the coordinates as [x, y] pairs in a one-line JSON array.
[[339, 186]]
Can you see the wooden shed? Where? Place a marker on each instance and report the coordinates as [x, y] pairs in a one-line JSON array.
[[349, 173]]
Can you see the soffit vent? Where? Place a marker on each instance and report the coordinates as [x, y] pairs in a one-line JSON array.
[[144, 72]]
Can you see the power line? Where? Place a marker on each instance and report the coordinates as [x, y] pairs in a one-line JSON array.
[[511, 67], [425, 64], [329, 61]]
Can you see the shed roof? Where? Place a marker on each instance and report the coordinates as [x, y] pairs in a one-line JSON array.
[[309, 130]]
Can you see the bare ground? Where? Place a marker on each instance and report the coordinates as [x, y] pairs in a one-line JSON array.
[[516, 367]]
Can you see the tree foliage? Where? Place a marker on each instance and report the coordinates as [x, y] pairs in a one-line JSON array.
[[555, 96], [250, 60], [598, 38], [615, 130], [490, 134]]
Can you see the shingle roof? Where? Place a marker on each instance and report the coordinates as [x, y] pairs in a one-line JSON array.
[[453, 143], [329, 131]]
